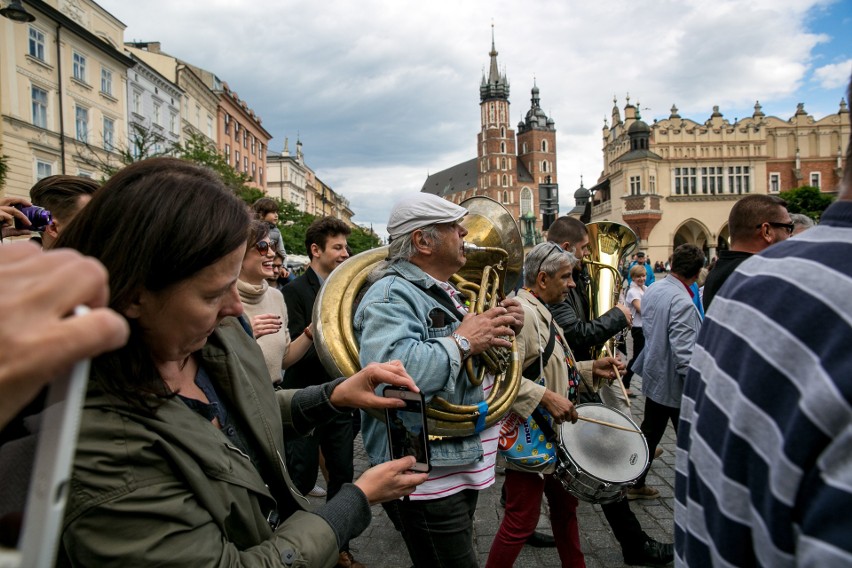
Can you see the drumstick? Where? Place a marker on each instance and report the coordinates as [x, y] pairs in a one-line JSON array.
[[618, 378], [608, 424]]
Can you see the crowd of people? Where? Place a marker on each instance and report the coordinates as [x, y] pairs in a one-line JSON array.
[[208, 412]]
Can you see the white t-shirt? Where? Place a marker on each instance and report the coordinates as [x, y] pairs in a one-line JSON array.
[[635, 293]]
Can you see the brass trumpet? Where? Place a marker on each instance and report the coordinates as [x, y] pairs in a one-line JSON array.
[[493, 266]]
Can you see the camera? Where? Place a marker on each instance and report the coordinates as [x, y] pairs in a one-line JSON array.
[[38, 216]]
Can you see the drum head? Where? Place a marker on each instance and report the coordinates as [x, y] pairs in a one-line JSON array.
[[606, 453]]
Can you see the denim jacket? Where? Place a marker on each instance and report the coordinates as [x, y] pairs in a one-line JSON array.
[[397, 319]]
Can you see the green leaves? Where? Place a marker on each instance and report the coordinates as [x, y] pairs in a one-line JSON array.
[[807, 200]]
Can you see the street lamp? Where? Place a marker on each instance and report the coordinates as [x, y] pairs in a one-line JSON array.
[[16, 12]]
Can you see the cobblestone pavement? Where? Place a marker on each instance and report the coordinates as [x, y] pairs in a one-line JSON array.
[[380, 546]]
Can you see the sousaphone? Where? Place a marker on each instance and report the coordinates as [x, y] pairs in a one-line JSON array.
[[495, 257]]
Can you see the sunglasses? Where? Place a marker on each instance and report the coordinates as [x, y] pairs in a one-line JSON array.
[[263, 246], [556, 249], [788, 226]]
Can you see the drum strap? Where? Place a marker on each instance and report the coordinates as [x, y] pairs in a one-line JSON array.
[[542, 422], [531, 372]]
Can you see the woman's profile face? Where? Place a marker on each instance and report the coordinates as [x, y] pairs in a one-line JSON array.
[[177, 321]]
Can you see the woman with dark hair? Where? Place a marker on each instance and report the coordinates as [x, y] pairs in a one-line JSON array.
[[179, 458], [264, 305]]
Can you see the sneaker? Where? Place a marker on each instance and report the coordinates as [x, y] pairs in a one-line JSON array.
[[644, 492], [653, 553], [658, 452], [317, 491], [346, 560]]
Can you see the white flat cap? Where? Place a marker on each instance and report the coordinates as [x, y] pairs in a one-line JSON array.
[[419, 210]]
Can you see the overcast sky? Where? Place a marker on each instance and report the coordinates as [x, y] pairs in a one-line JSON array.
[[382, 93]]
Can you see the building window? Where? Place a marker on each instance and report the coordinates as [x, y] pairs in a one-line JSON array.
[[544, 166], [237, 160], [43, 169], [259, 149], [524, 148], [652, 184], [106, 81], [39, 99], [79, 67], [815, 179], [81, 116], [209, 126], [227, 124], [738, 179], [711, 180], [245, 164], [254, 171], [228, 153], [685, 182], [253, 146], [502, 147], [137, 102], [544, 145], [245, 138], [526, 201], [505, 181], [635, 185], [109, 134], [260, 176], [774, 182], [157, 117], [36, 43], [502, 132], [197, 116], [173, 123]]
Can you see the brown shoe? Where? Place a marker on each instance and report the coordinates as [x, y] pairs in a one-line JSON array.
[[346, 560], [644, 492]]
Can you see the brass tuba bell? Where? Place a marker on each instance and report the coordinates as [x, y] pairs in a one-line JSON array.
[[608, 244], [495, 258]]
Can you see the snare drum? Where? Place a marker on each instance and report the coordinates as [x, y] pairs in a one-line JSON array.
[[598, 463]]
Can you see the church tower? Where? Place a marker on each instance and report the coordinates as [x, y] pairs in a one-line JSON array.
[[496, 140]]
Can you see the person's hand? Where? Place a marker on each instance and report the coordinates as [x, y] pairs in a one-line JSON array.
[[603, 368], [9, 213], [390, 480], [265, 324], [559, 407], [516, 310], [626, 311], [358, 391], [491, 328], [39, 338]]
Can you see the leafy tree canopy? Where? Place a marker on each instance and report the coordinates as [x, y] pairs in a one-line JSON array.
[[807, 200]]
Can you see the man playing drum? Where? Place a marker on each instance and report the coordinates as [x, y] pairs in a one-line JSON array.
[[547, 279]]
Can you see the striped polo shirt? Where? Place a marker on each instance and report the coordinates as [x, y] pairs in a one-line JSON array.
[[764, 458]]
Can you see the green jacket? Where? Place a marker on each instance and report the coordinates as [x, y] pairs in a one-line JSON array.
[[171, 490]]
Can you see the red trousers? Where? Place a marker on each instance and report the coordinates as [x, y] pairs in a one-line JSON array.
[[523, 507]]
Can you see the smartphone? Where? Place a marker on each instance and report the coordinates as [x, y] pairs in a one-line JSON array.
[[407, 434]]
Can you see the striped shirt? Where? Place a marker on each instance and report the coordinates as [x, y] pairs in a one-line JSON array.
[[764, 458]]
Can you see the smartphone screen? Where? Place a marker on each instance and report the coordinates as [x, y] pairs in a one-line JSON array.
[[407, 428]]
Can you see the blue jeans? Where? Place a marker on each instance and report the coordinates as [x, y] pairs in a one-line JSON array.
[[437, 532]]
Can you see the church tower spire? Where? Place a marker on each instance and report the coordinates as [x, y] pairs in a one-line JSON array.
[[496, 85]]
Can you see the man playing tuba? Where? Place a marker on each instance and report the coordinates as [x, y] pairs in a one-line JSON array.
[[413, 314]]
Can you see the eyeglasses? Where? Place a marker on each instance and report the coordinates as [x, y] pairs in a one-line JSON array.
[[788, 226], [556, 248], [263, 246]]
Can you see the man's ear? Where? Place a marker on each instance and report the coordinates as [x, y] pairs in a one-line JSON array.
[[566, 246], [541, 279], [315, 250], [422, 244], [134, 308]]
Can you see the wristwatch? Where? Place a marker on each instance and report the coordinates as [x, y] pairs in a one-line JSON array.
[[464, 345]]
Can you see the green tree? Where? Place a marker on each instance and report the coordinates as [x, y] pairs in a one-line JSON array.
[[144, 143], [362, 239], [200, 150], [807, 200]]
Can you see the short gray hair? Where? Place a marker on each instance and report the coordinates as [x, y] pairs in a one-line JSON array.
[[544, 258], [402, 247], [801, 222]]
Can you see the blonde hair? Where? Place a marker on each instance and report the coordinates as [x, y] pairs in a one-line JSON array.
[[637, 271]]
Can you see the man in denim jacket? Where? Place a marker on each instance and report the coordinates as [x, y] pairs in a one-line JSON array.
[[412, 314]]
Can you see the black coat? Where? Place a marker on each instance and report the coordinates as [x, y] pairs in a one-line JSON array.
[[572, 315], [299, 295]]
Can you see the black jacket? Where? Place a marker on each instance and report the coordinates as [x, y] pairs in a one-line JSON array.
[[572, 316], [299, 295], [728, 261]]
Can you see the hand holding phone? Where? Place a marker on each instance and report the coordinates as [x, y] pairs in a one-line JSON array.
[[407, 435]]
